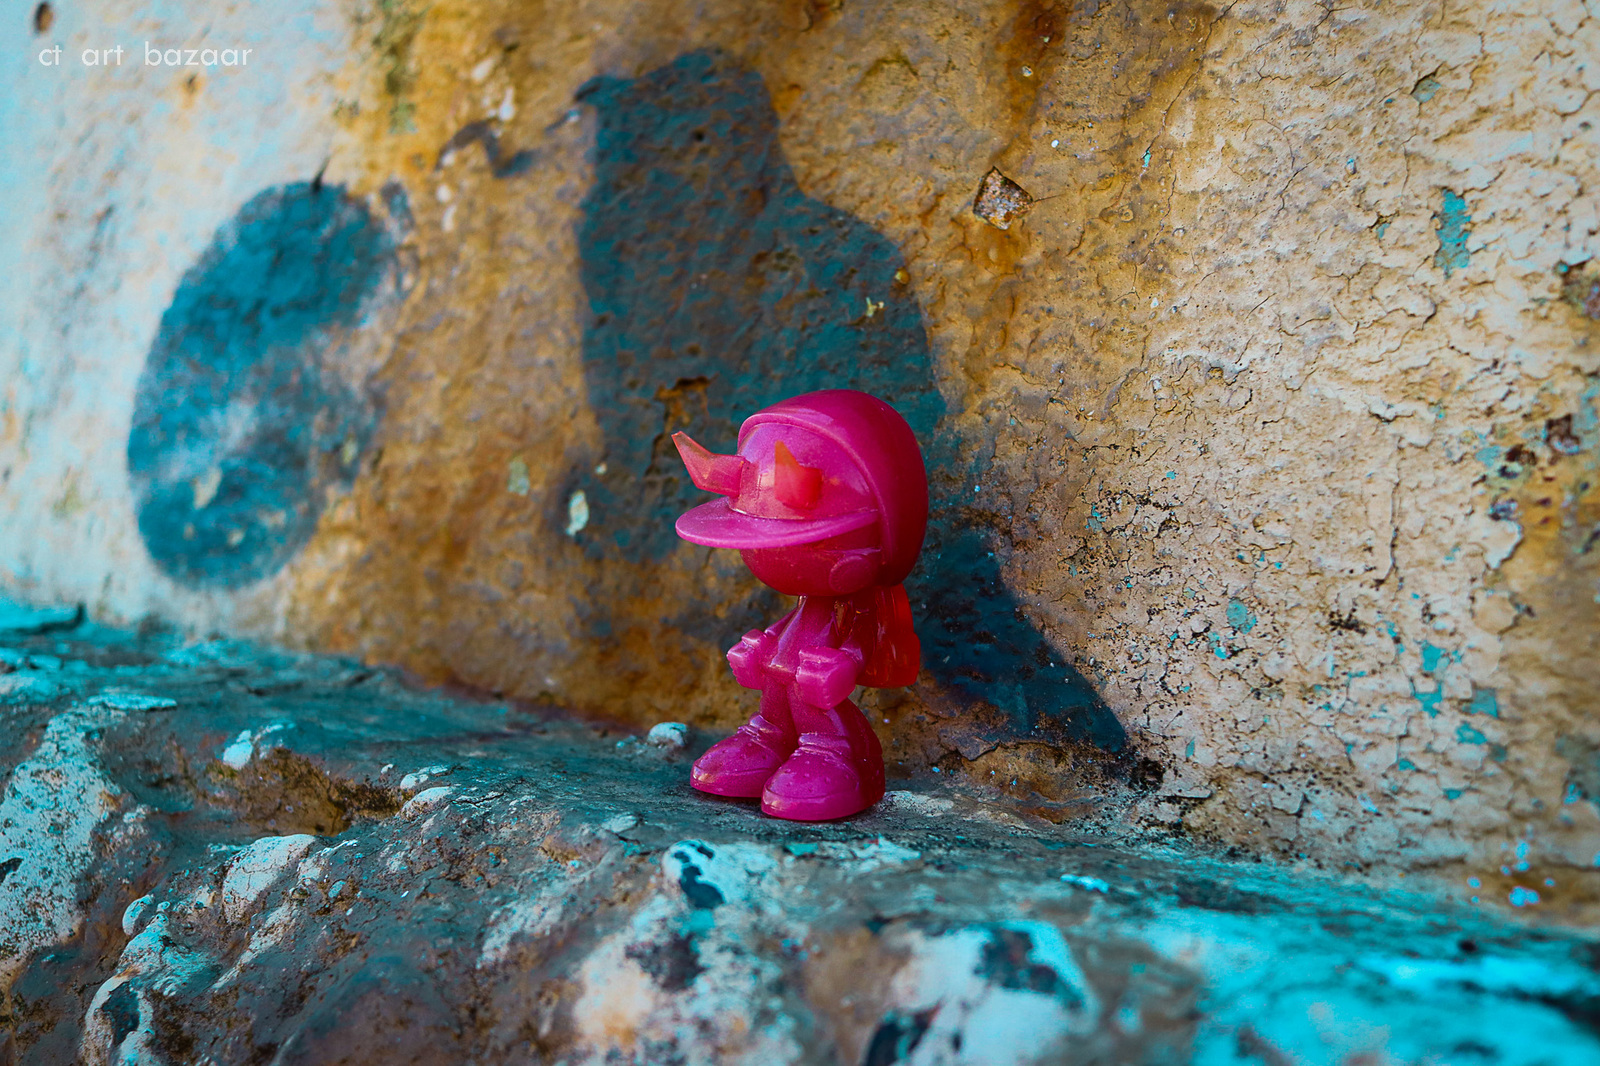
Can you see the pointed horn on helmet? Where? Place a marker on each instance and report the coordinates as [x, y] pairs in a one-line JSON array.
[[796, 484], [708, 470]]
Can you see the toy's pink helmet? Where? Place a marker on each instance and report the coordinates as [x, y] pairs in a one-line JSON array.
[[810, 468]]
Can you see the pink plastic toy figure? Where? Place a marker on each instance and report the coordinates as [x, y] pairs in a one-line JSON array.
[[827, 500]]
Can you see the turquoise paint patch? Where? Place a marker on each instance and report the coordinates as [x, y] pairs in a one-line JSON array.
[[1240, 617], [1429, 700], [1484, 701], [1406, 764], [1394, 635], [239, 427], [1454, 228], [1172, 475], [1431, 656], [1454, 794], [1468, 735]]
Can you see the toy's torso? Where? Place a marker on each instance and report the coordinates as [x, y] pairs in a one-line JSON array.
[[806, 628]]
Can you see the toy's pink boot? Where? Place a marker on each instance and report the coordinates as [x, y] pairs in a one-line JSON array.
[[740, 765], [832, 774]]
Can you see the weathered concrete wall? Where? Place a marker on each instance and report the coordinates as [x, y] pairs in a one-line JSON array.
[[1264, 445]]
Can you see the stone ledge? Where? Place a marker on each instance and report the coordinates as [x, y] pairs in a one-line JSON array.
[[219, 853]]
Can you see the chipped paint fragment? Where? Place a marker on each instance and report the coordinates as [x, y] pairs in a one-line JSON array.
[[517, 481], [577, 513], [257, 868], [237, 753], [126, 700], [1001, 201], [425, 800]]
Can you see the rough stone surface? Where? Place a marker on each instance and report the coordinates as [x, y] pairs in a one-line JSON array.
[[216, 853], [1265, 444]]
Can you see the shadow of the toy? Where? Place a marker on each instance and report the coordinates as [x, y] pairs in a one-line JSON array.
[[717, 287]]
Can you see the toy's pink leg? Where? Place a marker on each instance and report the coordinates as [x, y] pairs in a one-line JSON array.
[[740, 765], [836, 770]]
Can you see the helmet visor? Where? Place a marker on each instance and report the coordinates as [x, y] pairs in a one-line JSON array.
[[717, 525]]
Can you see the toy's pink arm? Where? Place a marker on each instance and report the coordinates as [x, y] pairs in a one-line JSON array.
[[752, 652], [746, 657], [827, 676]]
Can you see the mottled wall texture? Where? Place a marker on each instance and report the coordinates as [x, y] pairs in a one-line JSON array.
[[1264, 433]]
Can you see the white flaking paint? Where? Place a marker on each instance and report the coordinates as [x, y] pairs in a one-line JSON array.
[[417, 778], [237, 754], [257, 868], [622, 1008], [946, 974], [126, 700], [244, 747], [23, 687], [52, 805], [425, 800], [133, 912], [154, 961], [668, 735]]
